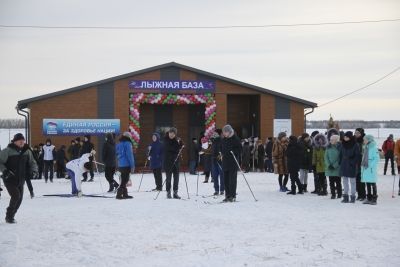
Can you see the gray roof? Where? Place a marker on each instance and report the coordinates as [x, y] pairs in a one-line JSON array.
[[23, 103]]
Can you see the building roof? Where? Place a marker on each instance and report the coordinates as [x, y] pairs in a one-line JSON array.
[[24, 103]]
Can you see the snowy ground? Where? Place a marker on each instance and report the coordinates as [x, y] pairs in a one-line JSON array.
[[278, 230]]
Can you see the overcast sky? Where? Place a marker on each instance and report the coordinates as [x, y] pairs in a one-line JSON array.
[[317, 63]]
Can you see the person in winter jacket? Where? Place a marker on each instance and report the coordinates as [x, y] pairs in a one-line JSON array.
[[75, 170], [349, 155], [61, 159], [87, 147], [70, 150], [193, 156], [16, 163], [216, 164], [230, 144], [369, 166], [388, 151], [246, 154], [360, 186], [76, 149], [206, 152], [332, 166], [294, 154], [49, 155], [269, 167], [397, 157], [172, 149], [279, 160], [110, 162], [260, 155], [306, 159], [126, 164], [318, 160], [155, 157]]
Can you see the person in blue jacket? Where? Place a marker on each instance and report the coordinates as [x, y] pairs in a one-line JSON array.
[[126, 164], [155, 158], [369, 166]]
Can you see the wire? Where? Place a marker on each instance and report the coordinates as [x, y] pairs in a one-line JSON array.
[[362, 88], [197, 27]]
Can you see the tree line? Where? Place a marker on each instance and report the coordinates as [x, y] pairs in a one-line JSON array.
[[352, 124], [12, 124]]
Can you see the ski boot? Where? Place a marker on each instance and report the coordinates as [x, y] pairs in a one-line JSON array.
[[169, 195], [176, 196], [345, 199]]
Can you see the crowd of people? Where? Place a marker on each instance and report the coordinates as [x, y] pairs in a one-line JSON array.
[[348, 160]]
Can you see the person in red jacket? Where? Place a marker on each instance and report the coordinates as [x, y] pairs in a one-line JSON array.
[[388, 150]]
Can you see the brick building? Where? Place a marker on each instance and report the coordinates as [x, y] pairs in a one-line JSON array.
[[171, 94]]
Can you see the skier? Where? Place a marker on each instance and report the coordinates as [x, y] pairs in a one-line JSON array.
[[369, 166], [16, 163], [349, 155], [397, 156], [87, 147], [207, 157], [61, 158], [280, 161], [216, 163], [230, 144], [155, 158], [172, 147], [359, 136], [126, 164], [332, 166], [49, 154], [193, 156], [306, 159], [388, 150], [76, 168], [318, 160], [246, 154], [109, 159], [294, 154]]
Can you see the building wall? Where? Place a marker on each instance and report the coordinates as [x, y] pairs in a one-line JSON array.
[[76, 105]]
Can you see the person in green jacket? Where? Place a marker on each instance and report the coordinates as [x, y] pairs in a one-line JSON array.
[[318, 160], [332, 166], [369, 166]]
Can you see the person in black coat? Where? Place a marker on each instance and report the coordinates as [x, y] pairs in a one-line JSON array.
[[155, 158], [269, 167], [306, 159], [87, 147], [61, 159], [246, 154], [76, 149], [216, 164], [349, 159], [260, 155], [230, 143], [294, 155], [172, 148], [16, 164], [109, 159]]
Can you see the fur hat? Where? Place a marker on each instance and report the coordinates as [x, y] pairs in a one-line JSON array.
[[173, 130], [304, 136], [18, 137], [320, 140], [228, 129], [313, 134], [281, 135]]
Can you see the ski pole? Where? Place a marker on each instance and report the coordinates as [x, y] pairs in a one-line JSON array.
[[187, 189], [394, 181], [244, 176], [145, 165], [177, 157]]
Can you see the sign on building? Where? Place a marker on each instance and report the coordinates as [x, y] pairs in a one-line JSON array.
[[170, 86], [282, 125], [62, 127]]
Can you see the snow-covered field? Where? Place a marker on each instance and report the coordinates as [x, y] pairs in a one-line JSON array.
[[278, 230]]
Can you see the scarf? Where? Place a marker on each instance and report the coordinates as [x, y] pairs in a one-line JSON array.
[[365, 157]]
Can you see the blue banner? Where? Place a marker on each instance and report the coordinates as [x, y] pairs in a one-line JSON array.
[[80, 126]]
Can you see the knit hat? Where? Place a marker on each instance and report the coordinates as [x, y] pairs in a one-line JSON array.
[[228, 129], [349, 134], [173, 130], [127, 134], [157, 135], [18, 137], [281, 135], [390, 136]]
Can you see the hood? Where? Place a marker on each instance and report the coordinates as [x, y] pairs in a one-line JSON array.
[[157, 135], [320, 141]]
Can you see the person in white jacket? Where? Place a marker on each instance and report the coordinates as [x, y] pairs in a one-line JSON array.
[[76, 168]]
